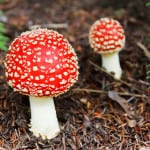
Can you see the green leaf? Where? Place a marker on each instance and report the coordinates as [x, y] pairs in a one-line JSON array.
[[3, 46], [2, 29], [3, 38]]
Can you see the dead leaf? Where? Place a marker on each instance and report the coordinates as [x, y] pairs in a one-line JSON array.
[[121, 101], [131, 123]]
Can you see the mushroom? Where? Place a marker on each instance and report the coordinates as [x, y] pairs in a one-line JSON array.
[[42, 64], [106, 36]]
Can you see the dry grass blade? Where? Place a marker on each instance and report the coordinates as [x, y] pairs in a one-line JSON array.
[[146, 51]]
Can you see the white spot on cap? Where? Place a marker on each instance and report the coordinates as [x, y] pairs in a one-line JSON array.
[[52, 86], [40, 38], [37, 48], [55, 57], [103, 30], [55, 43], [105, 43], [52, 70], [17, 59], [39, 53], [27, 82], [14, 67], [31, 41], [59, 76], [40, 91], [47, 92], [99, 33], [49, 41], [11, 74], [18, 68], [65, 73], [17, 49], [24, 47], [6, 74], [28, 63], [37, 78], [63, 81], [97, 39], [42, 43], [38, 59], [112, 46], [108, 25], [54, 47], [24, 90], [115, 37], [48, 53], [49, 61], [106, 37], [35, 84], [60, 54], [111, 42], [57, 66], [10, 82], [24, 56], [16, 74], [29, 53], [42, 67], [73, 70], [18, 86], [101, 39], [35, 68], [31, 77], [52, 79], [42, 76]]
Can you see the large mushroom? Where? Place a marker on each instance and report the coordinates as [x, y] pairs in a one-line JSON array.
[[107, 37], [42, 64]]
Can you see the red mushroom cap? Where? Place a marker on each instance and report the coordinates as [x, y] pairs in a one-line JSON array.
[[106, 35], [41, 63]]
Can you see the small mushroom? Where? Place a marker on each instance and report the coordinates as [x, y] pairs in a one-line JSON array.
[[106, 37], [42, 64]]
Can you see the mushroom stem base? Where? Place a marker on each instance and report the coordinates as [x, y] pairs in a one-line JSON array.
[[112, 64], [44, 121]]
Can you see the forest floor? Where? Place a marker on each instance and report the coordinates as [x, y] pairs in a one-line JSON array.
[[99, 112]]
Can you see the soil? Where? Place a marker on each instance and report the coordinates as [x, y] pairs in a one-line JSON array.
[[98, 112]]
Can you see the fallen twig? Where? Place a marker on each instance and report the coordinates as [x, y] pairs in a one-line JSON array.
[[52, 25], [122, 81], [146, 83], [9, 4], [106, 92]]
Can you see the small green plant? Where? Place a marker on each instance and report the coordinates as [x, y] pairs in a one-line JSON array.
[[3, 38], [148, 73], [148, 4], [1, 1]]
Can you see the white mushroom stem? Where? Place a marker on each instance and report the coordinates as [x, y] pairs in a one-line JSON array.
[[112, 64], [44, 121]]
